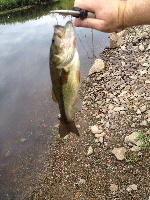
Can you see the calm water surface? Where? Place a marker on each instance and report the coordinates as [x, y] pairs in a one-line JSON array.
[[27, 113]]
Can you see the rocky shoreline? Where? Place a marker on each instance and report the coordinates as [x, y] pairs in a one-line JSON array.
[[111, 158]]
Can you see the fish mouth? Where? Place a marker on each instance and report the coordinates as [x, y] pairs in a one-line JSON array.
[[66, 31], [63, 44]]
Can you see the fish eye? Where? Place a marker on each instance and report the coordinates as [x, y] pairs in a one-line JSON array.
[[53, 40]]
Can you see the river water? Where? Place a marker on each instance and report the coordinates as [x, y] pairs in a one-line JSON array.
[[27, 113]]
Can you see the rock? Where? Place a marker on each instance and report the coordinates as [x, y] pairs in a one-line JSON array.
[[146, 65], [133, 125], [110, 107], [142, 72], [56, 125], [131, 139], [138, 111], [147, 82], [123, 33], [98, 66], [123, 63], [82, 181], [143, 108], [119, 153], [100, 137], [90, 151], [135, 148], [113, 40], [94, 129], [23, 139], [131, 187], [116, 109], [123, 48], [144, 123], [148, 119], [66, 137], [113, 187], [96, 140], [78, 126], [133, 77], [141, 47]]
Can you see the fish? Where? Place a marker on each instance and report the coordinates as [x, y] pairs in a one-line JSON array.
[[65, 76]]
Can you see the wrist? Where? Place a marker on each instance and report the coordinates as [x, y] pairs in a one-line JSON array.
[[122, 8], [133, 12]]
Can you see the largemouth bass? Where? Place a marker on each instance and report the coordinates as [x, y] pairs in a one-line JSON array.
[[65, 75]]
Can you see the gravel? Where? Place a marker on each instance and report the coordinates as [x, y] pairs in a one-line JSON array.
[[116, 104]]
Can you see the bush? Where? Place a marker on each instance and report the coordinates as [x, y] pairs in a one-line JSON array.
[[11, 4]]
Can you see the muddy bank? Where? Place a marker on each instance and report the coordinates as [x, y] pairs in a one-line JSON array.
[[110, 159]]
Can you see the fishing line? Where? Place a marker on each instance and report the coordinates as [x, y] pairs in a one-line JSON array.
[[94, 56], [83, 46], [92, 44], [81, 41], [56, 20]]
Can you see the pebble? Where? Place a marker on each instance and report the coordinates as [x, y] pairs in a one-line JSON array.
[[90, 151], [143, 108], [138, 111], [110, 107], [116, 109], [147, 82], [131, 139], [123, 48], [142, 72], [98, 66], [23, 139], [113, 187], [78, 126], [131, 187], [135, 148], [101, 139], [96, 140], [144, 123], [82, 181], [145, 65], [94, 129], [141, 47], [100, 135], [119, 153]]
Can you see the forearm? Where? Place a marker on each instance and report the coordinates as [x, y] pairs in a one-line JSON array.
[[136, 12]]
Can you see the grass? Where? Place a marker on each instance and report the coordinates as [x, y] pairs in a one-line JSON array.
[[133, 160], [144, 140]]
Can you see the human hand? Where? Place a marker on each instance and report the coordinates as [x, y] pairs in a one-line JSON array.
[[108, 17]]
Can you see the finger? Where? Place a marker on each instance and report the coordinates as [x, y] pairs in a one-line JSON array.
[[91, 23]]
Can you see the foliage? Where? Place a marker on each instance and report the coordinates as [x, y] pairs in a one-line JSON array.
[[12, 4], [24, 13], [144, 139]]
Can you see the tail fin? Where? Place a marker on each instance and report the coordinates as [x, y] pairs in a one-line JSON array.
[[66, 127]]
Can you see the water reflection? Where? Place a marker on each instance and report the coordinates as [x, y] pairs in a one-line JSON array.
[[26, 110]]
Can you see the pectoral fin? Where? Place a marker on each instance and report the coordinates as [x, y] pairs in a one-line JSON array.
[[64, 76]]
